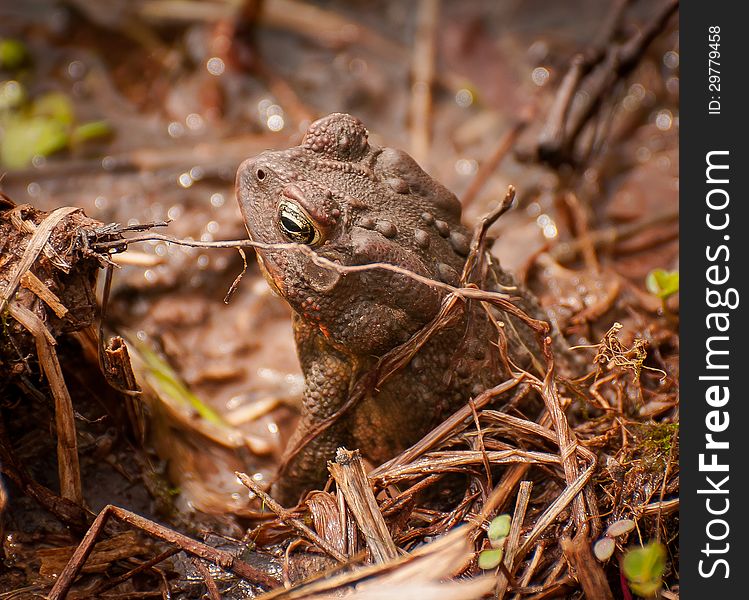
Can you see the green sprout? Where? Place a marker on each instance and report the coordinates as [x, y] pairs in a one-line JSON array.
[[662, 283], [498, 530], [40, 127], [643, 567]]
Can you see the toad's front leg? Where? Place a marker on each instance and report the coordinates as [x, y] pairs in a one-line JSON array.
[[328, 377]]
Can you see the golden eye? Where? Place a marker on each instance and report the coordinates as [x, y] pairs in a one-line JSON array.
[[296, 224]]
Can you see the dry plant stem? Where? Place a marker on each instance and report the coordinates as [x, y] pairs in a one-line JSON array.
[[554, 589], [446, 429], [491, 164], [34, 284], [352, 482], [552, 135], [108, 585], [118, 370], [480, 442], [530, 569], [293, 522], [442, 462], [369, 572], [67, 444], [222, 558], [556, 507], [396, 503], [619, 62], [512, 476], [423, 76], [657, 508], [587, 569], [565, 437], [478, 239], [513, 538], [210, 584], [567, 252], [583, 232], [36, 245]]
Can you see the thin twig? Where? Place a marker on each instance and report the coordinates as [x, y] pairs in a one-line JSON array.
[[423, 75], [352, 482], [293, 522], [513, 538], [67, 443], [222, 558]]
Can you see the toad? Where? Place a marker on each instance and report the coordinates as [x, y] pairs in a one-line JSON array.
[[353, 203]]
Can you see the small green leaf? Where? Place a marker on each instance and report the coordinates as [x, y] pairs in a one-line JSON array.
[[166, 381], [662, 283], [644, 567], [490, 559], [56, 106], [499, 527], [26, 138], [12, 54], [90, 131]]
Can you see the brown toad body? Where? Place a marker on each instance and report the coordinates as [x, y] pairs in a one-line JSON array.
[[356, 204]]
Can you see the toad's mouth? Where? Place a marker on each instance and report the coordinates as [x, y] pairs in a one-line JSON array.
[[272, 274]]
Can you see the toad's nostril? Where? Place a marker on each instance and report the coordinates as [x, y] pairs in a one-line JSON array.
[[260, 174]]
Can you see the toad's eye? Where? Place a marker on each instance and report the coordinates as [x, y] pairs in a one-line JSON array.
[[296, 224]]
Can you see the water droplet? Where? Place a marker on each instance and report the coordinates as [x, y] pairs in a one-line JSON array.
[[274, 109], [174, 212], [76, 69], [637, 90], [194, 121], [215, 66], [175, 129], [465, 166], [217, 200], [185, 180], [33, 189], [540, 76], [671, 59], [663, 120], [464, 98], [275, 123]]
